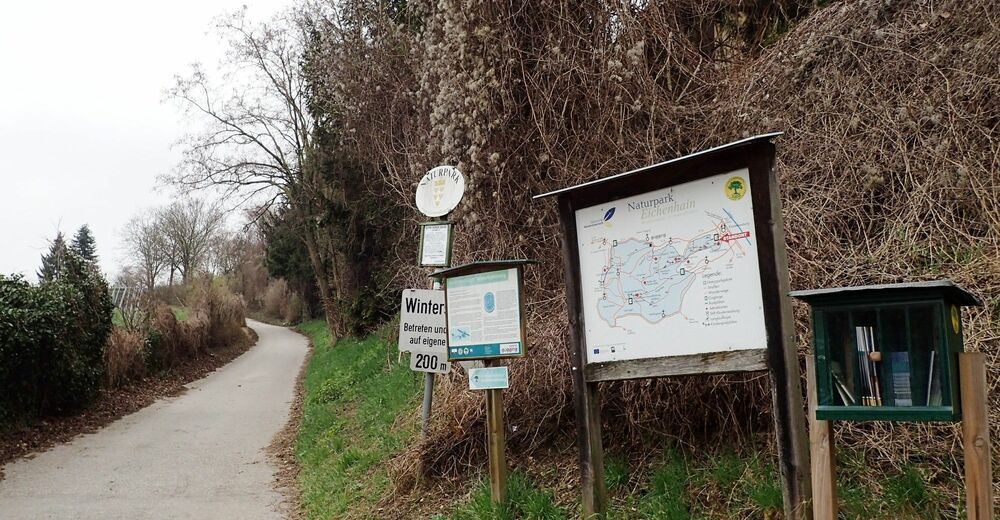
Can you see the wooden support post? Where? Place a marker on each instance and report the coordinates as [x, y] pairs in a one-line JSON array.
[[821, 454], [783, 360], [976, 436], [588, 409], [497, 445]]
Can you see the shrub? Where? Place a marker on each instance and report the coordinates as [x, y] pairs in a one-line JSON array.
[[293, 314], [276, 299], [223, 312], [124, 356], [52, 338]]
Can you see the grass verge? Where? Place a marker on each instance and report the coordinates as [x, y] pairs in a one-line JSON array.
[[354, 394], [358, 413]]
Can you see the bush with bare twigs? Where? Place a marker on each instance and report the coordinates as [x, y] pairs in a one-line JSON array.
[[125, 356], [888, 167]]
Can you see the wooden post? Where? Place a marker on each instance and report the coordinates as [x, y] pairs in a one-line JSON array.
[[821, 454], [588, 410], [497, 445], [976, 436], [783, 360]]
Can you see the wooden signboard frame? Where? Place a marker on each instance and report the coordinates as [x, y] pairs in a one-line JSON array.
[[779, 358], [449, 246], [496, 436]]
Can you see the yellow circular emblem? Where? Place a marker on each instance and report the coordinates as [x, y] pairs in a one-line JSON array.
[[736, 187], [956, 320]]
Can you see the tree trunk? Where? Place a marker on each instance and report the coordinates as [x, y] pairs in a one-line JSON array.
[[322, 283]]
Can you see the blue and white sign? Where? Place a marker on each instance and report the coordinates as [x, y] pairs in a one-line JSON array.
[[491, 378], [484, 315]]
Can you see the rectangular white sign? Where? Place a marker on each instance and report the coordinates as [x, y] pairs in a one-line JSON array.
[[422, 322], [672, 272], [491, 378], [428, 362], [435, 239], [484, 315]]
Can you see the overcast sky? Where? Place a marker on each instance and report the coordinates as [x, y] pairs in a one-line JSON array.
[[84, 131]]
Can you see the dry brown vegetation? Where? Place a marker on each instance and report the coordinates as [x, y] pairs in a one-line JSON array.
[[154, 339], [888, 168]]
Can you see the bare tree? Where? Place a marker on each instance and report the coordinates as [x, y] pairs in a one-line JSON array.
[[147, 247], [191, 227], [258, 137]]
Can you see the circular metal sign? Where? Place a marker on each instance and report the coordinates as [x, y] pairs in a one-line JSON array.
[[440, 191]]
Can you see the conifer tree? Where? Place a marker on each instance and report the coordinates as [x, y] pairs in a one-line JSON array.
[[84, 244], [54, 261]]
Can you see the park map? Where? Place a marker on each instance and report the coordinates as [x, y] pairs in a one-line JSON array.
[[672, 272]]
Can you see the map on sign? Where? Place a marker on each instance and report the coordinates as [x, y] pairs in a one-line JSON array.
[[672, 272]]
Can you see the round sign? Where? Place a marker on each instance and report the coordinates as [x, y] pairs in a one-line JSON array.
[[440, 191]]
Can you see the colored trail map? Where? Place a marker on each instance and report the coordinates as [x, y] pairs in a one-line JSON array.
[[672, 272]]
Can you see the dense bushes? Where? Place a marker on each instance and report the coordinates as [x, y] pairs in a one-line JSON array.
[[160, 342], [52, 338]]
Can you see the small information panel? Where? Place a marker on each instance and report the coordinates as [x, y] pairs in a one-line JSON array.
[[484, 315], [435, 244], [491, 378]]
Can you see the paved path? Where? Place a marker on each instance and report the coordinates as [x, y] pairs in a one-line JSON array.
[[197, 455]]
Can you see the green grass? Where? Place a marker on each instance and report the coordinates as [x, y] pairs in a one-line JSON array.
[[354, 393], [524, 501]]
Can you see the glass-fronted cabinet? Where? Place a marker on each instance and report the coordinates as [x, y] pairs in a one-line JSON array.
[[888, 352]]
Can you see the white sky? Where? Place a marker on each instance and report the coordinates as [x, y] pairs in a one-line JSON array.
[[84, 130]]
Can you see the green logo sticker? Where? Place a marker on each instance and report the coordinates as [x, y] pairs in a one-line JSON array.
[[956, 320], [736, 188]]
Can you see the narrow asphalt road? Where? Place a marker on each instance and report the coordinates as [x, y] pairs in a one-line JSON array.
[[196, 455]]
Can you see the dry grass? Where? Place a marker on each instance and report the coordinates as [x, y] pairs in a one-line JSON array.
[[124, 356]]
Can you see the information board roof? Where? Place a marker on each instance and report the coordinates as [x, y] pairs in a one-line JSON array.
[[734, 144], [948, 288], [487, 265]]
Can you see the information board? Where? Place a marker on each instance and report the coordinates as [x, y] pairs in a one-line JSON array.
[[484, 315], [435, 244], [672, 272]]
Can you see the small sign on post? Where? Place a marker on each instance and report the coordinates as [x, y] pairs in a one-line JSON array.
[[422, 330], [489, 378], [485, 320], [435, 244]]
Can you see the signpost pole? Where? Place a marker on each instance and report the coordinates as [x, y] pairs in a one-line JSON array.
[[497, 443], [976, 436], [822, 455], [428, 386], [783, 360]]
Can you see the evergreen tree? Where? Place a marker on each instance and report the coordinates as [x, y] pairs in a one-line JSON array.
[[84, 245], [54, 262]]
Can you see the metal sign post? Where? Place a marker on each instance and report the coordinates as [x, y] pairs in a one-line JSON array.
[[438, 193]]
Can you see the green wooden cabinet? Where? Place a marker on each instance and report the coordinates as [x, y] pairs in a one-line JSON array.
[[888, 352]]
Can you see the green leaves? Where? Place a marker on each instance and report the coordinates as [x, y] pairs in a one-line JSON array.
[[52, 337]]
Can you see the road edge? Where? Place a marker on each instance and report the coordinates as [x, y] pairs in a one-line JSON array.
[[281, 451]]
